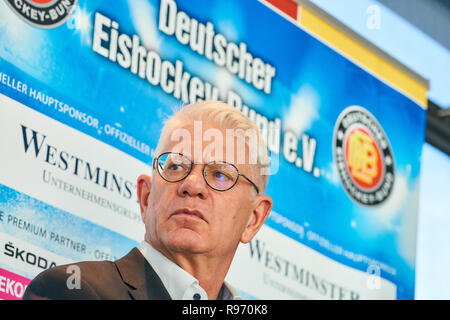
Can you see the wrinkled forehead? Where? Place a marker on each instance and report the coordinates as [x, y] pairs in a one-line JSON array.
[[204, 142]]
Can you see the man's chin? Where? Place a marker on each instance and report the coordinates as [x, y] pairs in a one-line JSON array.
[[186, 240]]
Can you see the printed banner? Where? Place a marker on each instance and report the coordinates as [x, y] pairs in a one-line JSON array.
[[86, 85]]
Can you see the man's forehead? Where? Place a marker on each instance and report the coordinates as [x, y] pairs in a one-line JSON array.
[[204, 142], [203, 157]]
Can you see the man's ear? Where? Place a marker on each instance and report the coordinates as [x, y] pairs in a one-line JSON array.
[[262, 205], [144, 184]]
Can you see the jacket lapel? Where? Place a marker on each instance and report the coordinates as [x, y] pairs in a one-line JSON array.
[[141, 279]]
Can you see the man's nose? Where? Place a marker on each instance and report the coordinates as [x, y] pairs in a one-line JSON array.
[[194, 185]]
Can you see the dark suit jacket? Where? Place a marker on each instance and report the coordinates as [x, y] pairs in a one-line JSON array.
[[130, 277]]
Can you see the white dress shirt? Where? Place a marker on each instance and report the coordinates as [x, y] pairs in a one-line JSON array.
[[180, 284]]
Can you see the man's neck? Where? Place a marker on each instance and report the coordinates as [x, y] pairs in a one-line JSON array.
[[209, 271]]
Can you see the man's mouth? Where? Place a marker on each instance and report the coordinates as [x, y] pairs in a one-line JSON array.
[[189, 212]]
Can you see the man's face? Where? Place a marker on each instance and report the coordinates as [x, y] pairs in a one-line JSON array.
[[189, 216]]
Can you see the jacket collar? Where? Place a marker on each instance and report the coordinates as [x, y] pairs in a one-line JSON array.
[[142, 280]]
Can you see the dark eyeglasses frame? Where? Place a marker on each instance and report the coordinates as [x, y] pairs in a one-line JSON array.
[[156, 161]]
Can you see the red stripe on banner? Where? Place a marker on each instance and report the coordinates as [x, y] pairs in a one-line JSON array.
[[12, 286], [287, 6]]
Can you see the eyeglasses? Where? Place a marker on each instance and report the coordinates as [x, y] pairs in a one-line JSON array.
[[219, 175]]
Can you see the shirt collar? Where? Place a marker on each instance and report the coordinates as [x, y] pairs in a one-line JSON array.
[[180, 284]]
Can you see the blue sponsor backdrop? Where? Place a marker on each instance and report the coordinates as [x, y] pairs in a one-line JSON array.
[[311, 86]]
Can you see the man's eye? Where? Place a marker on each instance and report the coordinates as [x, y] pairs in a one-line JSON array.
[[175, 167], [221, 175]]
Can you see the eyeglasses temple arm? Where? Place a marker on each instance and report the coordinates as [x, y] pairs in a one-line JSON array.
[[257, 189]]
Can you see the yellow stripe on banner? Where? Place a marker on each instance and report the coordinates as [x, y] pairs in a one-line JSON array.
[[363, 56]]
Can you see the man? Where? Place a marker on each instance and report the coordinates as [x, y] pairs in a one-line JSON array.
[[201, 201]]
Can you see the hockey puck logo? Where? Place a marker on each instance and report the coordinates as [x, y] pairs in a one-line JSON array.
[[46, 14], [363, 156]]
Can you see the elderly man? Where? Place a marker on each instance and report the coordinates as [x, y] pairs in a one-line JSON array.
[[201, 201]]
